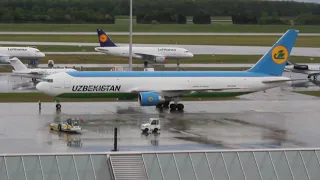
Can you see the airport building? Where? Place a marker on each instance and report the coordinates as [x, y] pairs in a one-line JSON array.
[[262, 164]]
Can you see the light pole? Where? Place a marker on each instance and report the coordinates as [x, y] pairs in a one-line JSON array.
[[130, 45]]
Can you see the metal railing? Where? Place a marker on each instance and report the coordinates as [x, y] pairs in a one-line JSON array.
[[242, 164]]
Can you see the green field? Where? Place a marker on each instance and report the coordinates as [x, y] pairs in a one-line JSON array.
[[302, 41], [123, 26], [197, 59], [36, 96], [311, 93]]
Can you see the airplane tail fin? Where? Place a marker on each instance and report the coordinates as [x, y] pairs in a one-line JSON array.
[[275, 60], [17, 64], [104, 39]]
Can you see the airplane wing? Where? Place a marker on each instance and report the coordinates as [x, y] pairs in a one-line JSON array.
[[148, 56], [29, 75]]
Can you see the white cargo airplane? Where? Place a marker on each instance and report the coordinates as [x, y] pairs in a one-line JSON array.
[[30, 53], [310, 70], [159, 88], [35, 73], [151, 54]]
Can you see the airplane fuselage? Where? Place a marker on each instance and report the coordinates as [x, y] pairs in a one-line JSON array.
[[129, 84], [19, 52], [167, 52]]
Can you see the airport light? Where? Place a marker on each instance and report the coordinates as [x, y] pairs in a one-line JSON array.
[[130, 45]]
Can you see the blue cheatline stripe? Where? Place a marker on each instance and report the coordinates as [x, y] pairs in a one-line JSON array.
[[165, 74]]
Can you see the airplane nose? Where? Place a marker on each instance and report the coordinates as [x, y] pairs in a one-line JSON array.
[[96, 49], [41, 55], [191, 55]]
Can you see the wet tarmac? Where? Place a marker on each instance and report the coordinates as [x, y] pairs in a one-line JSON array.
[[275, 118]]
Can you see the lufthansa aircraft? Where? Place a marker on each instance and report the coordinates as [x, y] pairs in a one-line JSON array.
[[159, 88], [29, 53], [151, 54]]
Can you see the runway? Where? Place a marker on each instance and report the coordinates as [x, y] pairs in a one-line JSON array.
[[195, 49], [155, 33]]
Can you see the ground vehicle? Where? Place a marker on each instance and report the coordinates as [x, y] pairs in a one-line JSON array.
[[152, 126], [70, 125]]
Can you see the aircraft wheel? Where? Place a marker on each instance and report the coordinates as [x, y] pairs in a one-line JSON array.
[[173, 107], [58, 106], [180, 107], [59, 127]]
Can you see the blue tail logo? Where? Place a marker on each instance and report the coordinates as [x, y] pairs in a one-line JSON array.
[[104, 39], [274, 61]]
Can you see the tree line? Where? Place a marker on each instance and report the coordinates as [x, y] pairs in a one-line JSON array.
[[156, 11]]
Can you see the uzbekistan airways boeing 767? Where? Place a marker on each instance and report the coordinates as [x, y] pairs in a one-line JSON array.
[[159, 88], [148, 54]]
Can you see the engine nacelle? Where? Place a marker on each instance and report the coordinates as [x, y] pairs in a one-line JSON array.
[[50, 63], [150, 99], [301, 67], [160, 59]]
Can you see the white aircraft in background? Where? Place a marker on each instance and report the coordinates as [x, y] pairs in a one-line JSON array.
[[159, 88], [34, 73], [30, 53], [310, 70], [148, 54]]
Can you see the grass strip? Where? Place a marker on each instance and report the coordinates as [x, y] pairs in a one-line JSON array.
[[311, 93], [123, 26]]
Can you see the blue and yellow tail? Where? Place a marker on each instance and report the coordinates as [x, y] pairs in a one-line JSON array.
[[275, 60], [104, 39]]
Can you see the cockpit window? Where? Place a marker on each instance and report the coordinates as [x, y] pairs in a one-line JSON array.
[[37, 51], [186, 51]]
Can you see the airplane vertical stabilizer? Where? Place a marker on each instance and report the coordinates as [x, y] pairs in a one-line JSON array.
[[104, 39], [275, 60], [17, 64]]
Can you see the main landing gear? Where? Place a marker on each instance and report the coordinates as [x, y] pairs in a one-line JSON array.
[[173, 106], [314, 77]]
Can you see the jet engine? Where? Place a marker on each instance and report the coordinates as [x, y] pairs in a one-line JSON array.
[[150, 99], [160, 59], [301, 67]]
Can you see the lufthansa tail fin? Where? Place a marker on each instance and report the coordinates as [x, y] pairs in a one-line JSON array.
[[104, 39], [17, 64], [275, 60]]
